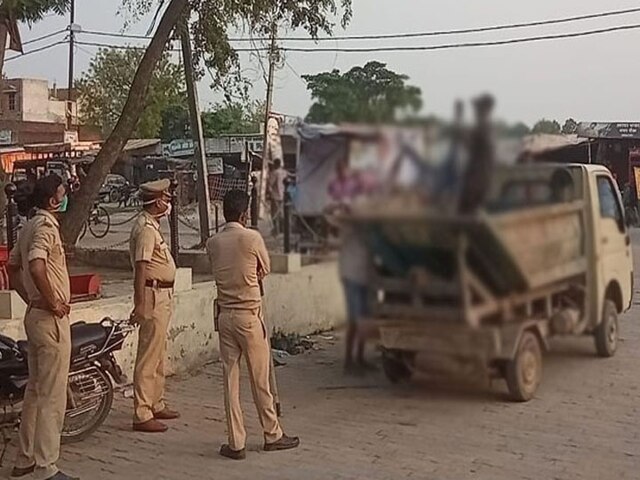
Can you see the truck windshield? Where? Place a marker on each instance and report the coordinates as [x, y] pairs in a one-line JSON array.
[[521, 187]]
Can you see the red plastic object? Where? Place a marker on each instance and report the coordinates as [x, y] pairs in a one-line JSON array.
[[4, 275], [86, 286]]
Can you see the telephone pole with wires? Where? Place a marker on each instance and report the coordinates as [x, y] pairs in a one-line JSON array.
[[202, 187], [73, 29], [262, 195]]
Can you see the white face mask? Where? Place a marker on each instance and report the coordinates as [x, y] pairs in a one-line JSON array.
[[167, 212]]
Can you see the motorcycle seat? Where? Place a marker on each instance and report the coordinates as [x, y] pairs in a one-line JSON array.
[[84, 334], [23, 347], [8, 341]]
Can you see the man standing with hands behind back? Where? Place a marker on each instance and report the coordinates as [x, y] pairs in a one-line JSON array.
[[154, 274], [38, 272], [239, 260]]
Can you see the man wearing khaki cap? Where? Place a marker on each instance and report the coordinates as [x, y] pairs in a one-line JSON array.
[[154, 274]]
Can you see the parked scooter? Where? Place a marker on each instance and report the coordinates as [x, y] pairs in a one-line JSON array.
[[94, 377]]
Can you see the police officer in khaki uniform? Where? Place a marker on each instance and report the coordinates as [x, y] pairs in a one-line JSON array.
[[38, 272], [154, 274], [239, 260]]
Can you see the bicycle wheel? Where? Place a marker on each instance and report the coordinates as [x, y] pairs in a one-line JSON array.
[[99, 222]]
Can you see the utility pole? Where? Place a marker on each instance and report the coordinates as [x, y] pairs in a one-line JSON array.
[[196, 132], [265, 139], [72, 27]]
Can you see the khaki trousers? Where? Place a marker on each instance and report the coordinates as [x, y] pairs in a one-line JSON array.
[[45, 399], [242, 332], [149, 374]]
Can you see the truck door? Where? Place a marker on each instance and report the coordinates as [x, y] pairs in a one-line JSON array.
[[615, 250]]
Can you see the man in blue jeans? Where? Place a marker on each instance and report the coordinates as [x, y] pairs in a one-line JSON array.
[[353, 264], [354, 268]]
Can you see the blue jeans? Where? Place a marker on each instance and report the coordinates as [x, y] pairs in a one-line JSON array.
[[357, 302]]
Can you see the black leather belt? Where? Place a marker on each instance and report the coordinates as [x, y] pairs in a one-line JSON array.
[[158, 284]]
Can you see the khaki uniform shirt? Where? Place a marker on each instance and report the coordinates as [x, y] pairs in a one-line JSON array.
[[40, 239], [147, 245], [235, 255]]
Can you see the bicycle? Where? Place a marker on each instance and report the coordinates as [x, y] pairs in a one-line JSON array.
[[98, 223]]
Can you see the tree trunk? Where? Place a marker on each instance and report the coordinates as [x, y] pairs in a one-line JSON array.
[[112, 148]]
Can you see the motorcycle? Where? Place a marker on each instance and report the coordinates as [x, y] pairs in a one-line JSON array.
[[94, 377]]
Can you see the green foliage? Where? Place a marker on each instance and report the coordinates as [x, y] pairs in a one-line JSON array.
[[546, 126], [175, 123], [570, 126], [233, 117], [215, 19], [104, 87], [30, 11], [221, 118], [515, 130], [363, 94]]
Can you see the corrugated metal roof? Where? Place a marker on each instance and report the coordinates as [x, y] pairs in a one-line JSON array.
[[543, 142], [140, 143]]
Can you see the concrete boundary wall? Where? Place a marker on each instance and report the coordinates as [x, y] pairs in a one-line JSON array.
[[302, 302]]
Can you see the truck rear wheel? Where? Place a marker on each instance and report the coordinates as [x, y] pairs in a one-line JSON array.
[[524, 372], [606, 334], [395, 367]]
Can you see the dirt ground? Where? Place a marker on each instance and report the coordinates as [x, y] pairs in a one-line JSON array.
[[583, 424]]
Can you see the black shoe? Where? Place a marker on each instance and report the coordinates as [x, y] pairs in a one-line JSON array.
[[227, 451], [62, 476], [366, 366], [22, 471], [285, 443]]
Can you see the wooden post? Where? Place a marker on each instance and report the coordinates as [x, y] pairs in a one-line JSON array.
[[173, 222], [12, 231], [286, 220], [202, 186], [254, 202], [72, 19]]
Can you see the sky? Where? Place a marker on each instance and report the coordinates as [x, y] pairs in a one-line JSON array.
[[590, 78]]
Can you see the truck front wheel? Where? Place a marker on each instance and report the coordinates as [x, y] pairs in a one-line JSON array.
[[395, 366], [524, 372], [606, 334]]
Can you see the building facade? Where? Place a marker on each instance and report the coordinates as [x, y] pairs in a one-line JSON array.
[[31, 113]]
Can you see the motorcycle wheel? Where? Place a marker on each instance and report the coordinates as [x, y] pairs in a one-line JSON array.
[[93, 393]]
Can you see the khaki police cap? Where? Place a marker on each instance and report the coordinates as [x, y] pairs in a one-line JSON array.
[[156, 188]]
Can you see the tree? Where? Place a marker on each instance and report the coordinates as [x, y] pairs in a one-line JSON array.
[[221, 118], [570, 126], [103, 88], [233, 117], [546, 126], [211, 43], [515, 130], [363, 94], [175, 123]]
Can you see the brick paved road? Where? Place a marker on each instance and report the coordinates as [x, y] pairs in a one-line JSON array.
[[584, 424]]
